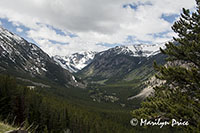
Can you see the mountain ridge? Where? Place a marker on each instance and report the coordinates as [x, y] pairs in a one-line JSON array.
[[117, 63], [21, 58], [77, 61]]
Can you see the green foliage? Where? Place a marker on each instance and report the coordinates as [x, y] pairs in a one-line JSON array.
[[179, 97]]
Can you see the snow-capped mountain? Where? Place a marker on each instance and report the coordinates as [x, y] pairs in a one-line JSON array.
[[118, 62], [139, 50], [15, 50], [76, 61], [21, 58]]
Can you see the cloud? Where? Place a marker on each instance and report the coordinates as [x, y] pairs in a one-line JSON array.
[[66, 49], [92, 21], [63, 44], [19, 29]]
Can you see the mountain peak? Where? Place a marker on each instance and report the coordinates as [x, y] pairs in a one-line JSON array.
[[76, 61], [138, 50], [9, 35]]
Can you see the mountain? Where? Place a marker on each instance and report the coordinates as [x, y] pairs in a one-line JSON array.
[[139, 50], [123, 63], [76, 61], [21, 58]]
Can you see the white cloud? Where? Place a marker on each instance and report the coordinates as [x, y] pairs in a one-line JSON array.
[[0, 23], [65, 49], [45, 32], [93, 21], [19, 29]]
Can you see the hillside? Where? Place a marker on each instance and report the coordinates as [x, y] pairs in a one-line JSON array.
[[26, 60], [122, 63]]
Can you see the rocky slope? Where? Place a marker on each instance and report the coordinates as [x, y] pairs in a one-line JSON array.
[[21, 58], [123, 63]]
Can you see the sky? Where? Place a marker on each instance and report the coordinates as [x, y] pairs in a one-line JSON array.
[[63, 27]]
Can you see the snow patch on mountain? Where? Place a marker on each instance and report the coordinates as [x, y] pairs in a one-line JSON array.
[[21, 53], [24, 58], [140, 50], [76, 61], [10, 36]]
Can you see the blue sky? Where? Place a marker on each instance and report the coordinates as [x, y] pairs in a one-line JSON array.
[[13, 28], [63, 27]]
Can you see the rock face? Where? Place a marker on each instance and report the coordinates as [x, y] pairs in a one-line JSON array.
[[148, 90], [21, 58], [153, 81]]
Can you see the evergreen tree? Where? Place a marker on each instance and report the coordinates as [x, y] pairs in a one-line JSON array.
[[7, 91], [179, 97]]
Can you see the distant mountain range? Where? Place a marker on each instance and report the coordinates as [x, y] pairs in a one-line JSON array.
[[21, 58], [121, 63], [114, 63], [78, 61], [138, 50]]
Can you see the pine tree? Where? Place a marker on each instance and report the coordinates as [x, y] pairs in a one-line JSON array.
[[7, 91], [179, 97]]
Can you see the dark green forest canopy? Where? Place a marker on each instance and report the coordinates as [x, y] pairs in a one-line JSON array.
[[42, 112]]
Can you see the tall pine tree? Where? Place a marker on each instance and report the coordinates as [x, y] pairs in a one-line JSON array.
[[179, 97]]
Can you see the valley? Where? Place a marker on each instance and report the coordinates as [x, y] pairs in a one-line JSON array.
[[100, 66], [110, 76], [97, 82]]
